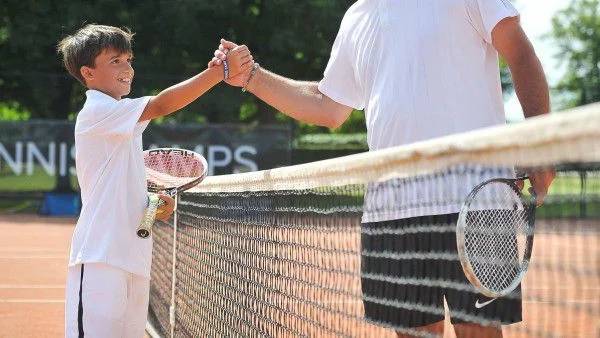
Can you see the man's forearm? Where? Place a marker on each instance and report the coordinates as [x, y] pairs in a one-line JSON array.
[[532, 90], [300, 100], [531, 86]]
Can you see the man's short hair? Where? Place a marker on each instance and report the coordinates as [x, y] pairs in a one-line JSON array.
[[82, 48]]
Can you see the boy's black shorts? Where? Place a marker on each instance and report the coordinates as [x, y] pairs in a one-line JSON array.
[[464, 305]]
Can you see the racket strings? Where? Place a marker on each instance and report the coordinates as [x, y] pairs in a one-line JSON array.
[[166, 170], [496, 234]]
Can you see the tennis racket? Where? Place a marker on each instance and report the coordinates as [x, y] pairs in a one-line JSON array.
[[169, 171], [494, 235]]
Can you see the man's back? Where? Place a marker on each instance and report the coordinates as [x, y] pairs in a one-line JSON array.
[[421, 69]]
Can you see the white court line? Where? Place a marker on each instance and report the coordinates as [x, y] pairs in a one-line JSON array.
[[151, 331], [559, 288], [31, 286], [31, 249], [31, 301], [561, 302], [33, 257]]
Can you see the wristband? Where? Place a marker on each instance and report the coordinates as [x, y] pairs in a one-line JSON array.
[[225, 70]]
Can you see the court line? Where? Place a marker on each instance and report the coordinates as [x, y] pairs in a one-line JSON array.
[[33, 257], [559, 288], [562, 302], [15, 249], [31, 301], [31, 286]]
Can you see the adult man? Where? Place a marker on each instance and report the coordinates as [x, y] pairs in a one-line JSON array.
[[420, 70]]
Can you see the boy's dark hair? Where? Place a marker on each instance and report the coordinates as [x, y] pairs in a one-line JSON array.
[[82, 48]]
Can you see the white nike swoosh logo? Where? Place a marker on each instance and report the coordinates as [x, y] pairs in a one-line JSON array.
[[480, 305]]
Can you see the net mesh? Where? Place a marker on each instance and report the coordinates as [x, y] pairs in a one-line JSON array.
[[365, 245]]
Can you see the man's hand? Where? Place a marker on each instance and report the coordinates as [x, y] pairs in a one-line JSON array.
[[165, 208], [540, 181], [238, 79], [239, 59]]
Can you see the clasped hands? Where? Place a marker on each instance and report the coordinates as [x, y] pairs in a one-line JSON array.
[[239, 59]]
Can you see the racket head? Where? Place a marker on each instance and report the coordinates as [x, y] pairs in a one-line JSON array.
[[494, 236], [173, 170]]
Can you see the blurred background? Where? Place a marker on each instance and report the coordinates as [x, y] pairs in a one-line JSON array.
[[235, 131]]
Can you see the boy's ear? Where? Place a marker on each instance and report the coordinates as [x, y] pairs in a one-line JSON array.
[[87, 73]]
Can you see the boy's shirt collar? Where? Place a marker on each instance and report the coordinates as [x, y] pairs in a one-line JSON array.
[[93, 94]]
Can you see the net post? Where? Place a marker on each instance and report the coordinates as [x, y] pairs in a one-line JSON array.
[[174, 270]]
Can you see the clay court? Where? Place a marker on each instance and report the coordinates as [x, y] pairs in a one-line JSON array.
[[34, 253], [33, 257]]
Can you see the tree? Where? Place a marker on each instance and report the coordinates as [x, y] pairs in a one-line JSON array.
[[576, 30], [174, 40]]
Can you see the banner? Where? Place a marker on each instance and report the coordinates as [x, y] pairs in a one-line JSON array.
[[40, 155]]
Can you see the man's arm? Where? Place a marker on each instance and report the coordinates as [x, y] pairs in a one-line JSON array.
[[301, 100], [183, 93], [531, 87], [529, 80]]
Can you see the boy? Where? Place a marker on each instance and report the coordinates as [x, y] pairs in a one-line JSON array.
[[109, 269]]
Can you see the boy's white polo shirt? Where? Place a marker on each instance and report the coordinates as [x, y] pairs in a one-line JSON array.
[[421, 69], [111, 175]]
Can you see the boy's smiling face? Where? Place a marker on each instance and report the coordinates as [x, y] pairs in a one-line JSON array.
[[112, 74]]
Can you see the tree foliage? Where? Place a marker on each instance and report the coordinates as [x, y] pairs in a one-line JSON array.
[[174, 40], [576, 30]]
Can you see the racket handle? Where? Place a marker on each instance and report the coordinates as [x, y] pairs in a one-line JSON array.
[[144, 230]]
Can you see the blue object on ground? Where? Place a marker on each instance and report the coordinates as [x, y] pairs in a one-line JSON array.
[[61, 204]]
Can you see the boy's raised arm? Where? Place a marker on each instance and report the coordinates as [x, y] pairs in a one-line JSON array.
[[183, 93]]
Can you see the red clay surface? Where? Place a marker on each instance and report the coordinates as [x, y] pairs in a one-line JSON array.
[[34, 253], [33, 260]]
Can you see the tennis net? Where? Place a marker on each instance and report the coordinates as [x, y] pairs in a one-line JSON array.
[[365, 245]]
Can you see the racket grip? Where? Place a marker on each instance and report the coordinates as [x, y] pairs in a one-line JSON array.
[[144, 230]]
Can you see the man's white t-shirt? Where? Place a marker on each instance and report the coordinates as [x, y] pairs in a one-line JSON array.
[[111, 175], [420, 70]]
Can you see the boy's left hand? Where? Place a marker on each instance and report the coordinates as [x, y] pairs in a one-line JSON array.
[[165, 208]]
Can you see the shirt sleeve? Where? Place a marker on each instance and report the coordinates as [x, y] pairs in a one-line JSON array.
[[119, 118], [140, 127], [340, 81], [486, 14]]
